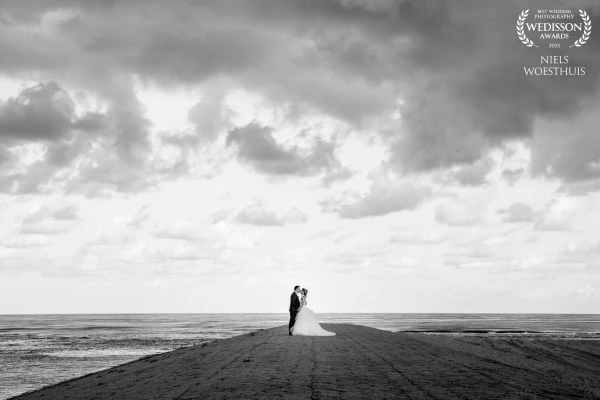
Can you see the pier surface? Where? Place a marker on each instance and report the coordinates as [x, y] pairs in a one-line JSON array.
[[359, 362]]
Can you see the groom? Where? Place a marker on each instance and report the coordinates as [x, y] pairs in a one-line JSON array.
[[294, 306]]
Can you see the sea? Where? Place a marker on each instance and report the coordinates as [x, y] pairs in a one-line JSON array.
[[41, 350]]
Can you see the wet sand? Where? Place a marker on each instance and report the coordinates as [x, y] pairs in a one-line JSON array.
[[360, 362]]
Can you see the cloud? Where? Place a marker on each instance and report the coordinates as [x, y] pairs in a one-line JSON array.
[[477, 256], [130, 125], [140, 219], [210, 115], [593, 266], [181, 251], [256, 146], [221, 215], [376, 260], [42, 112], [437, 63], [513, 175], [57, 212], [570, 151], [338, 175], [35, 179], [580, 188], [466, 263], [65, 213], [418, 238], [383, 198], [296, 216], [5, 156], [500, 264], [467, 100], [582, 247], [469, 174], [453, 214], [556, 216], [578, 252], [112, 236], [256, 214], [475, 174], [45, 112], [86, 153], [233, 41], [533, 261], [24, 241], [591, 290], [576, 256], [353, 259], [517, 212], [44, 228], [181, 230], [43, 115], [49, 220]]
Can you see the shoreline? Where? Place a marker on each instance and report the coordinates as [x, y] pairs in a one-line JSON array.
[[359, 361], [557, 334]]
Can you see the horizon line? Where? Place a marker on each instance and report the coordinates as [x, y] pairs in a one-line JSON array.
[[285, 313]]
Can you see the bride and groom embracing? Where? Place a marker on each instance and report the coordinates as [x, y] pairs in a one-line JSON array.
[[303, 320]]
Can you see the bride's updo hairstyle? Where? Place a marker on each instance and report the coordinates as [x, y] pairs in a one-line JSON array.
[[305, 291]]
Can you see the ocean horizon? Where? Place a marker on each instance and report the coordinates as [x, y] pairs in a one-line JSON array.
[[37, 350]]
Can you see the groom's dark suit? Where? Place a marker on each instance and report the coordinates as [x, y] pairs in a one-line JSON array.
[[294, 306]]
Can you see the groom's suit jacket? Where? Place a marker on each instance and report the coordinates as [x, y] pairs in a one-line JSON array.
[[294, 302]]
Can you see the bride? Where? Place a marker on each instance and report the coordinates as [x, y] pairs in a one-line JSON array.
[[306, 321]]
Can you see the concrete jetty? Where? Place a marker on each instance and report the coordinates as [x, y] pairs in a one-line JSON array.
[[358, 363]]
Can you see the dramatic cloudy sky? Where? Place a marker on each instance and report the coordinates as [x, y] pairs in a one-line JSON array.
[[390, 156]]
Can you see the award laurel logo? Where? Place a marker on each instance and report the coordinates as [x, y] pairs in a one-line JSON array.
[[586, 32], [557, 30], [524, 39], [554, 30]]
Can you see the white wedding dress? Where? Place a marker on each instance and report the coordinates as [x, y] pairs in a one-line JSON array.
[[307, 324]]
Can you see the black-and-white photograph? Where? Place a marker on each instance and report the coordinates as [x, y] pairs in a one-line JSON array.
[[303, 199]]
